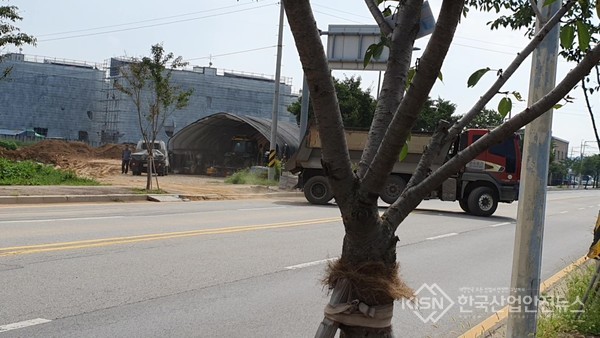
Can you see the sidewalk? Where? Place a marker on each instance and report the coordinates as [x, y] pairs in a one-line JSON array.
[[75, 194]]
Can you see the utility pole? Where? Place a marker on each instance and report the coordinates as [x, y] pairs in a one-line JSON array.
[[272, 151], [527, 256]]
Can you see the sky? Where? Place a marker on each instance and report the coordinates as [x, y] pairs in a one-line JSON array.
[[242, 36]]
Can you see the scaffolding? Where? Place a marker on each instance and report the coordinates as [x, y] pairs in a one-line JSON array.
[[111, 98]]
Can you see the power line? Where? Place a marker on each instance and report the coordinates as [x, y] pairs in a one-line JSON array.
[[230, 53], [153, 25], [141, 21]]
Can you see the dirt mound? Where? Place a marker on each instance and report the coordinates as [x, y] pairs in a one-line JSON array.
[[85, 160], [112, 151]]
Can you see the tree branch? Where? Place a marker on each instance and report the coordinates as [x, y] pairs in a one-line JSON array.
[[590, 111], [510, 70], [436, 144], [394, 79], [385, 27], [335, 156], [536, 10], [412, 197], [408, 111]]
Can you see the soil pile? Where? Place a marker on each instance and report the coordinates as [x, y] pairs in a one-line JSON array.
[[84, 160]]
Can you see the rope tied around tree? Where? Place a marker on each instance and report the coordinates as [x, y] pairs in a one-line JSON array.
[[368, 283], [357, 313]]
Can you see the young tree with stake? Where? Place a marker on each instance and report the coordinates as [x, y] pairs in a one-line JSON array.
[[148, 83]]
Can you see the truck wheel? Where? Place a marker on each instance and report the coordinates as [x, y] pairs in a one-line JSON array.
[[464, 204], [482, 201], [317, 190], [393, 189]]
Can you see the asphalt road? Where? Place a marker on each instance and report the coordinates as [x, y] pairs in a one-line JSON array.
[[249, 268]]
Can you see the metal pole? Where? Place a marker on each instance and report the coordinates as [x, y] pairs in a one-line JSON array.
[[273, 147], [581, 164], [304, 108], [527, 257]]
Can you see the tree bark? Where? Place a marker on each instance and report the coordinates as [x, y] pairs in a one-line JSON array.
[[418, 92], [394, 79]]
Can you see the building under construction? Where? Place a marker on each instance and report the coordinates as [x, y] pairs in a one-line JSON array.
[[77, 100]]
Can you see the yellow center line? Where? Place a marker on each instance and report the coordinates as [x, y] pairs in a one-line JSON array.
[[94, 243]]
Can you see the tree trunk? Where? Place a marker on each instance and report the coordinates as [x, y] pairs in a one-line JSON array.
[[368, 260], [150, 169]]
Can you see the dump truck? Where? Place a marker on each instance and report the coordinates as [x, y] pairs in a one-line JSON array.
[[492, 177]]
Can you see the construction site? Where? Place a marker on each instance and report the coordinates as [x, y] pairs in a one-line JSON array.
[[76, 100]]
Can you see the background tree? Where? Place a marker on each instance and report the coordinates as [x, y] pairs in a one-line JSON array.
[[367, 270], [487, 119], [10, 34], [591, 167], [356, 105], [148, 83], [432, 112]]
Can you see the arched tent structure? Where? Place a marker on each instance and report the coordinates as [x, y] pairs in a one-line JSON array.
[[227, 141]]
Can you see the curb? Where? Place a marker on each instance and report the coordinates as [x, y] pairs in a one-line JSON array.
[[71, 199], [42, 199]]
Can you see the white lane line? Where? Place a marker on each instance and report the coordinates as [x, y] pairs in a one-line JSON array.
[[306, 265], [260, 209], [580, 208], [499, 224], [61, 219], [591, 206], [563, 212], [442, 236], [23, 324]]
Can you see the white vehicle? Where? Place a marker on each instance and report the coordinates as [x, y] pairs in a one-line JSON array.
[[139, 159]]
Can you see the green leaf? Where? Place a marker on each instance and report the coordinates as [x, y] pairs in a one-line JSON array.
[[441, 77], [557, 106], [598, 8], [518, 96], [475, 77], [378, 50], [549, 2], [567, 35], [504, 106], [368, 55], [583, 35], [411, 74], [404, 151], [585, 5], [387, 11]]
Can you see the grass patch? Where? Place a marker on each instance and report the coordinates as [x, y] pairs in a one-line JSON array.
[[246, 177], [558, 317], [10, 145], [32, 173]]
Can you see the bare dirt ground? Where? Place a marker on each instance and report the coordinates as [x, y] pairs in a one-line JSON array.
[[104, 165]]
